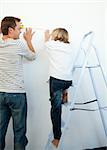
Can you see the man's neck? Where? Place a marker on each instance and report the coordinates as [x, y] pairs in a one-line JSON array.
[[6, 37]]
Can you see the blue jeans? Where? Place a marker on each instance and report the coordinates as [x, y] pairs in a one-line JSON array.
[[56, 88], [13, 105]]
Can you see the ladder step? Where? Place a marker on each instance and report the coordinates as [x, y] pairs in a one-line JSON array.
[[95, 66], [85, 109], [86, 102]]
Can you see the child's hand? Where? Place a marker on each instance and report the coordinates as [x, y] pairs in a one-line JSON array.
[[47, 35], [64, 96]]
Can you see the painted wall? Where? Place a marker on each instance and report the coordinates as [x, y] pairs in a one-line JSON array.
[[78, 17]]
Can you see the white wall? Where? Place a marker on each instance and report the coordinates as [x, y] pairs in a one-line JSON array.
[[78, 17], [105, 34]]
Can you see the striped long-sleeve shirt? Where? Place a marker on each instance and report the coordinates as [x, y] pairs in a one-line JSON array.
[[12, 53]]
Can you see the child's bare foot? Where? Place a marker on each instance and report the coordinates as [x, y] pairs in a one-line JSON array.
[[55, 142]]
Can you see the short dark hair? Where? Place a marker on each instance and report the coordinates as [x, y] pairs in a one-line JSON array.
[[8, 22]]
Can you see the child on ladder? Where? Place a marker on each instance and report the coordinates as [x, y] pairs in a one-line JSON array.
[[61, 60]]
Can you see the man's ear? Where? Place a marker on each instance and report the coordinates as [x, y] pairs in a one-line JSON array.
[[10, 30], [0, 29]]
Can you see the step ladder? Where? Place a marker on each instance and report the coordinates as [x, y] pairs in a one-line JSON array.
[[71, 105]]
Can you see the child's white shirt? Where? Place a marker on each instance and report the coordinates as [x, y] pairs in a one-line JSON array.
[[61, 59]]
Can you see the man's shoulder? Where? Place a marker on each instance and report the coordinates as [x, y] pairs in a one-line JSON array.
[[20, 43]]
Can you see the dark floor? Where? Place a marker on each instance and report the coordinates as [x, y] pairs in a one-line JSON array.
[[101, 148]]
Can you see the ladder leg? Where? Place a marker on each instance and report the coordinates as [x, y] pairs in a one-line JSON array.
[[94, 87], [50, 137], [100, 65], [101, 113]]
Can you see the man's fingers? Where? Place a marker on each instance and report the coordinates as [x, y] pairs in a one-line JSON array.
[[33, 33]]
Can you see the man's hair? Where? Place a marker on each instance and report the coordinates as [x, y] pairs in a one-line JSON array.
[[8, 22], [60, 34]]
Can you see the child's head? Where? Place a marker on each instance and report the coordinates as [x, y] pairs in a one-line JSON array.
[[60, 34]]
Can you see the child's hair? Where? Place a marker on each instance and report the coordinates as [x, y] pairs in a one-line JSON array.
[[60, 34]]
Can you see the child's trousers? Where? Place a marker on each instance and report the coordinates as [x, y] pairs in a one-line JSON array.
[[56, 88]]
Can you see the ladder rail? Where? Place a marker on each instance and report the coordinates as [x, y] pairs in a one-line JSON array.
[[100, 110], [100, 64], [80, 47]]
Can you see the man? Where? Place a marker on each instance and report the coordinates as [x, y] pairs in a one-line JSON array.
[[12, 93]]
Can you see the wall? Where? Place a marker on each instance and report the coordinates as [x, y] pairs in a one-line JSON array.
[[78, 17]]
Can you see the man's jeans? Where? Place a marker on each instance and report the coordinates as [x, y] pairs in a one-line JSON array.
[[56, 88], [13, 105]]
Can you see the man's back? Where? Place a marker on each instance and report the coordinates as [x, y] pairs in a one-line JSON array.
[[11, 66]]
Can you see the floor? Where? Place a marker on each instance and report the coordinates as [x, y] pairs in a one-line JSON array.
[[101, 148]]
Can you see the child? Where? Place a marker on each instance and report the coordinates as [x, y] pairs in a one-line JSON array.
[[60, 72]]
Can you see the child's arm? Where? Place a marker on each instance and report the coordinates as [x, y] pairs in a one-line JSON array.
[[47, 36]]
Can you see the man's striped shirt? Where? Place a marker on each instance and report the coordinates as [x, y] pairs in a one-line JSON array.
[[12, 53]]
